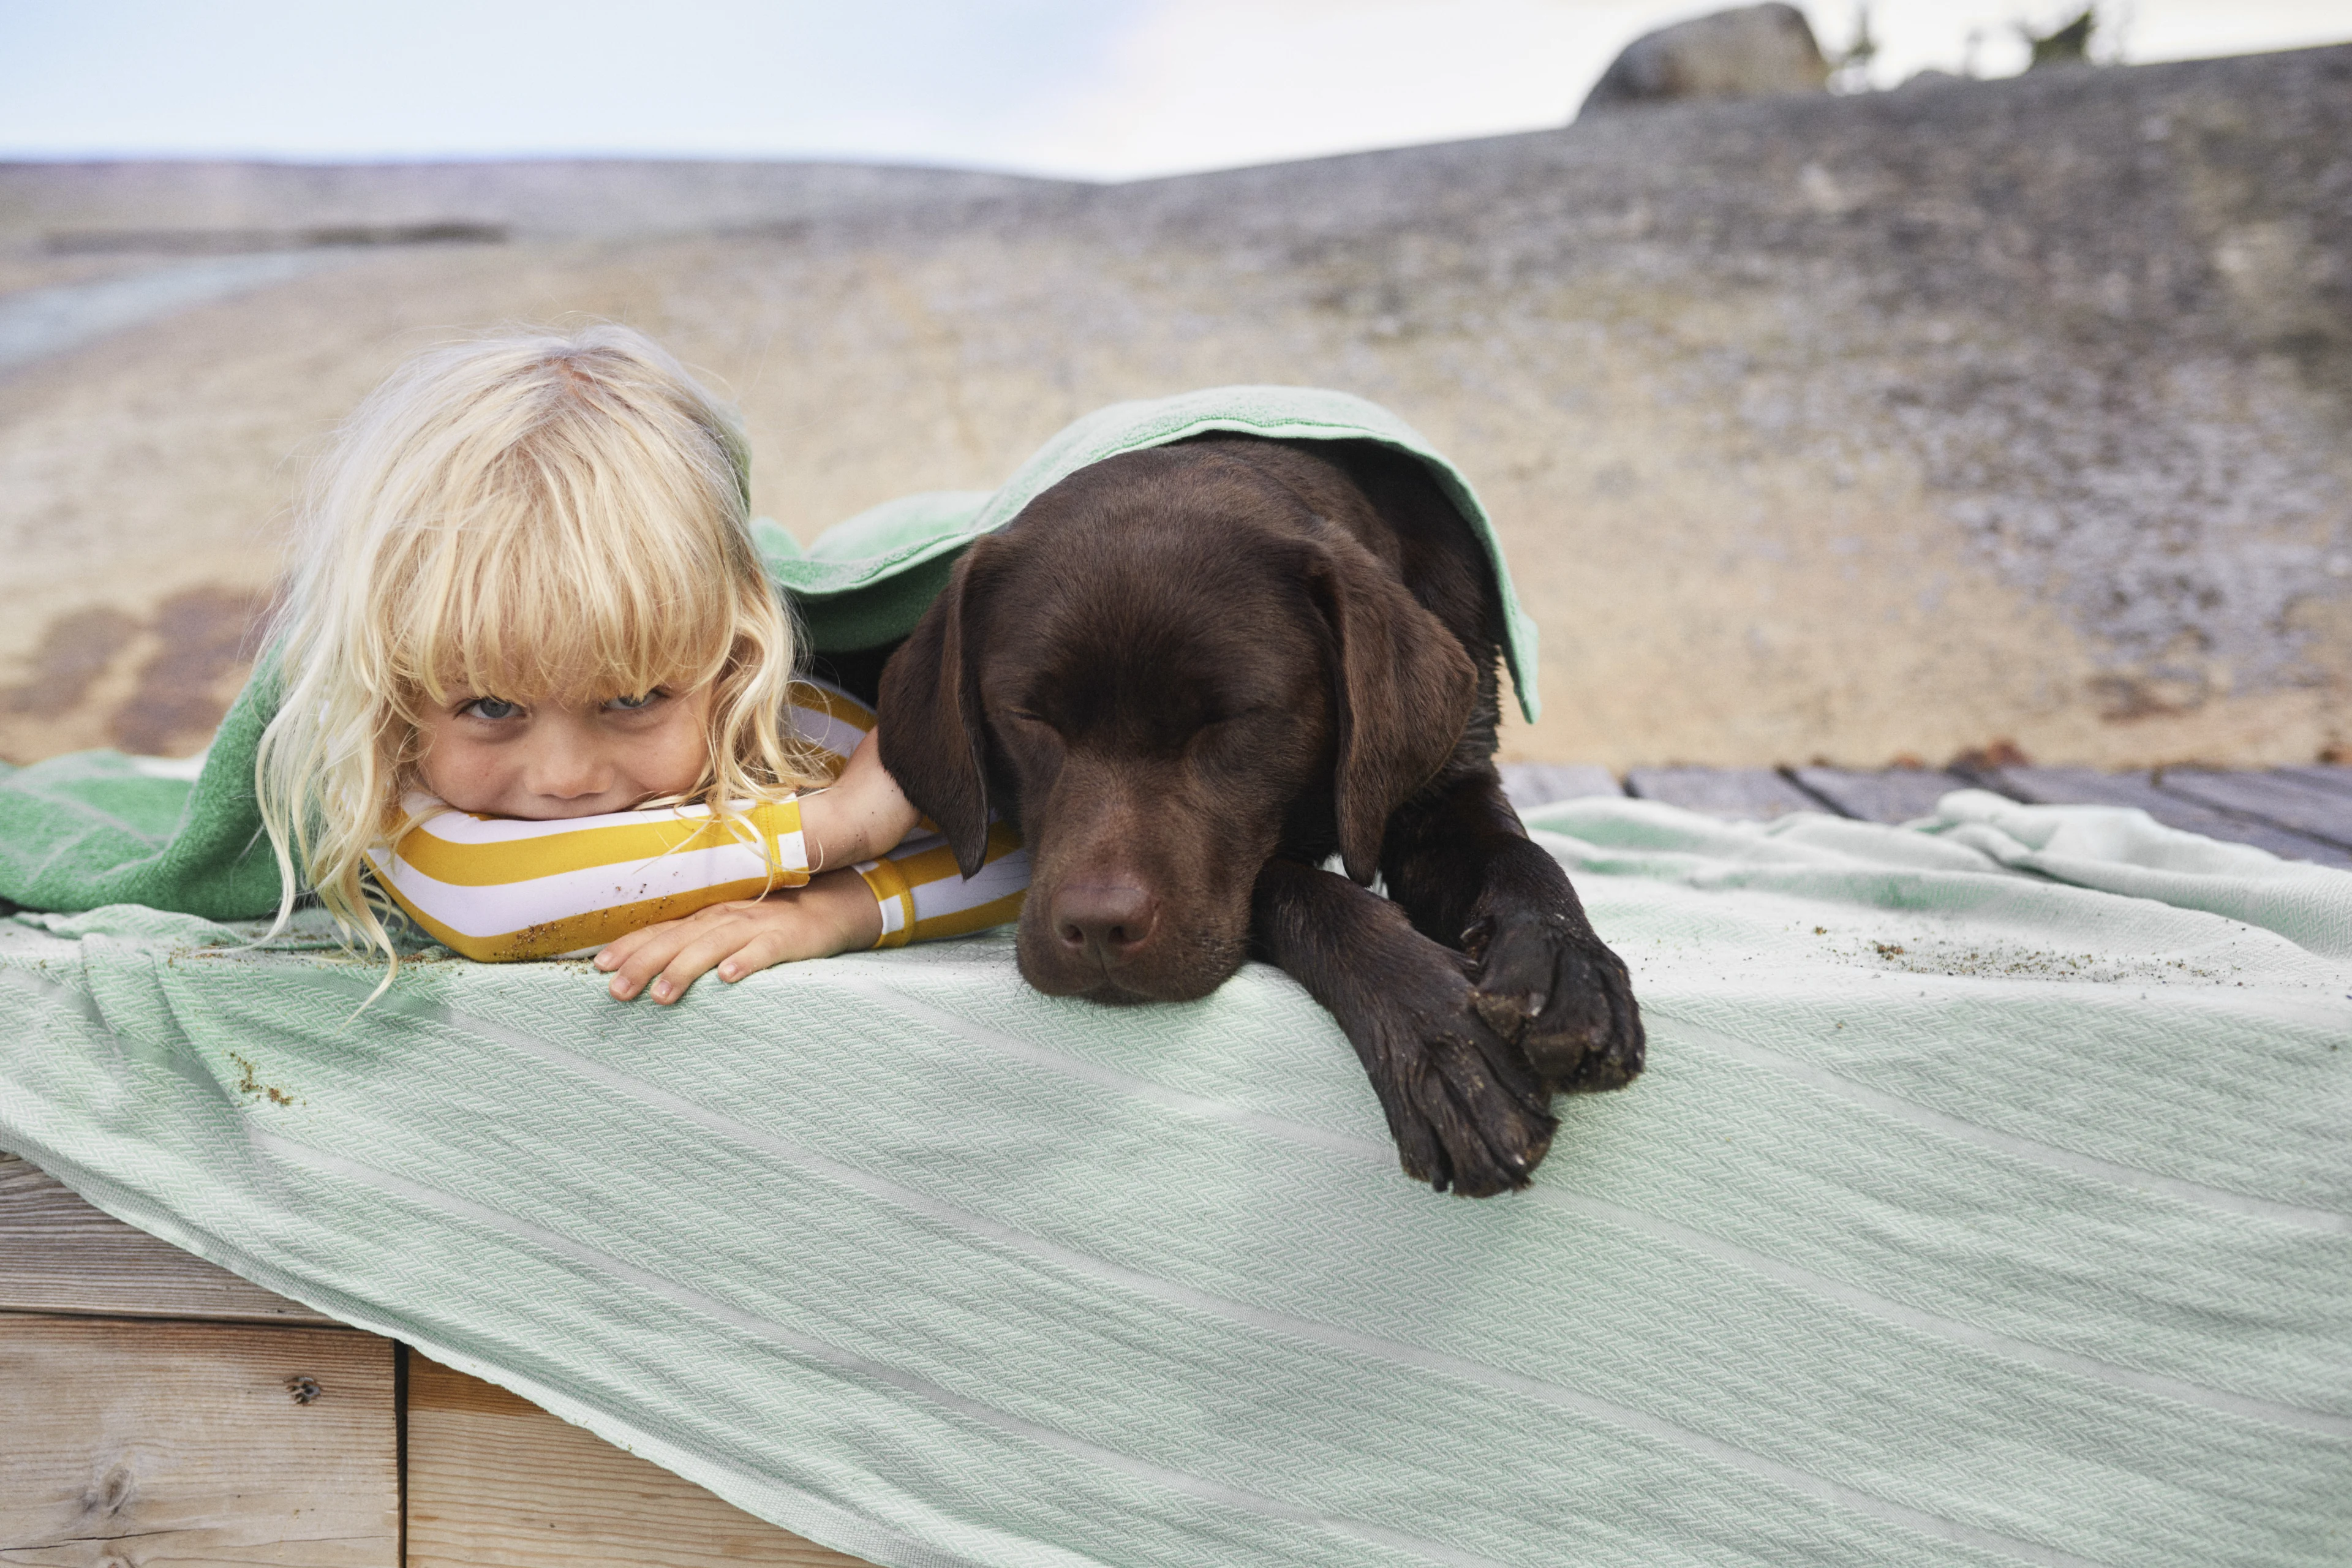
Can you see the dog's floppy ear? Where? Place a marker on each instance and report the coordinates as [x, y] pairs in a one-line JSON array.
[[933, 739], [1404, 692]]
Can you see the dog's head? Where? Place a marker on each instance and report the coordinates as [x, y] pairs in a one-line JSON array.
[[1167, 667]]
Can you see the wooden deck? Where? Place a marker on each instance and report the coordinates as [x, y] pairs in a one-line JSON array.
[[156, 1409], [2299, 813]]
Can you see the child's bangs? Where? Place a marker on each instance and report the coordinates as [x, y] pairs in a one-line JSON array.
[[573, 586]]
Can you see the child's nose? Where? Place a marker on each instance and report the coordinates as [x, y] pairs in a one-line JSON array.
[[564, 768]]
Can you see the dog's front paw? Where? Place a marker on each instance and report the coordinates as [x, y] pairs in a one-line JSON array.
[[1467, 1110], [1545, 981]]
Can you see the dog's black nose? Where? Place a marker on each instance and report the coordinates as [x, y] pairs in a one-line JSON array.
[[1106, 923]]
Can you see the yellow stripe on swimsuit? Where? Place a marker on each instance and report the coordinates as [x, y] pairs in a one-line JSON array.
[[494, 888], [499, 889], [487, 851]]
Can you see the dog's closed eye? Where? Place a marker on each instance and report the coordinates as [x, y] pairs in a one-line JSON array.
[[1241, 734]]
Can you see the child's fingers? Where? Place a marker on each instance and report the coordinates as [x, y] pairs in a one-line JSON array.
[[640, 955], [698, 957], [776, 942], [836, 911], [618, 951]]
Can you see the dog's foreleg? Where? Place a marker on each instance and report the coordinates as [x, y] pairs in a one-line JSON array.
[[1465, 1109], [1462, 868]]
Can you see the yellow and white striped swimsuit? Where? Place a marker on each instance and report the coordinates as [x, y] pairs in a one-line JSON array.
[[496, 887]]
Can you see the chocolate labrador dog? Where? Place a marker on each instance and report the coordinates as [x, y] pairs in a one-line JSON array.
[[1192, 674]]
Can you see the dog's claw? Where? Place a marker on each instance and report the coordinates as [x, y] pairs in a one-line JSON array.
[[1506, 1014], [1571, 997]]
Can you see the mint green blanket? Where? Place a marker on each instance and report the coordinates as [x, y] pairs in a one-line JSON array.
[[1987, 1202], [99, 828]]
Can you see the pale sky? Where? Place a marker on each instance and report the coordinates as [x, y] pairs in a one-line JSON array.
[[1094, 88]]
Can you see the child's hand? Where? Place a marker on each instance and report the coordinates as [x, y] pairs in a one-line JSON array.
[[862, 815], [836, 912]]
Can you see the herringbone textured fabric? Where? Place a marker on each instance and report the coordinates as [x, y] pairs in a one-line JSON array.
[[1966, 1216]]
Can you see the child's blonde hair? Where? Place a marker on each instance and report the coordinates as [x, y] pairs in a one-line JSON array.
[[531, 516]]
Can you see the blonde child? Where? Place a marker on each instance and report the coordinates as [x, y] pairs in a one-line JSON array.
[[538, 691]]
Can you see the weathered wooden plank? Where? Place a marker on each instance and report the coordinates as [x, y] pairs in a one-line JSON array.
[[1896, 794], [59, 1255], [1531, 784], [1753, 793], [2088, 786], [2325, 775], [196, 1443], [2311, 810], [495, 1480]]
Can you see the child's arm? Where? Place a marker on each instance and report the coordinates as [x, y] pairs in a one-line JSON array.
[[912, 894], [837, 912], [501, 888], [862, 815]]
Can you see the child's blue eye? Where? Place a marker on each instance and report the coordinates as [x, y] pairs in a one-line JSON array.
[[492, 707], [636, 704]]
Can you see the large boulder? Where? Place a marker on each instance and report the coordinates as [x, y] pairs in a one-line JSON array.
[[1748, 51]]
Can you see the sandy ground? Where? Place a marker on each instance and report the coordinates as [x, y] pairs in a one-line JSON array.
[[1770, 505], [1696, 604]]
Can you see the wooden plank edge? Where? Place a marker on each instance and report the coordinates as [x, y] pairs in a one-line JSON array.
[[61, 1255]]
